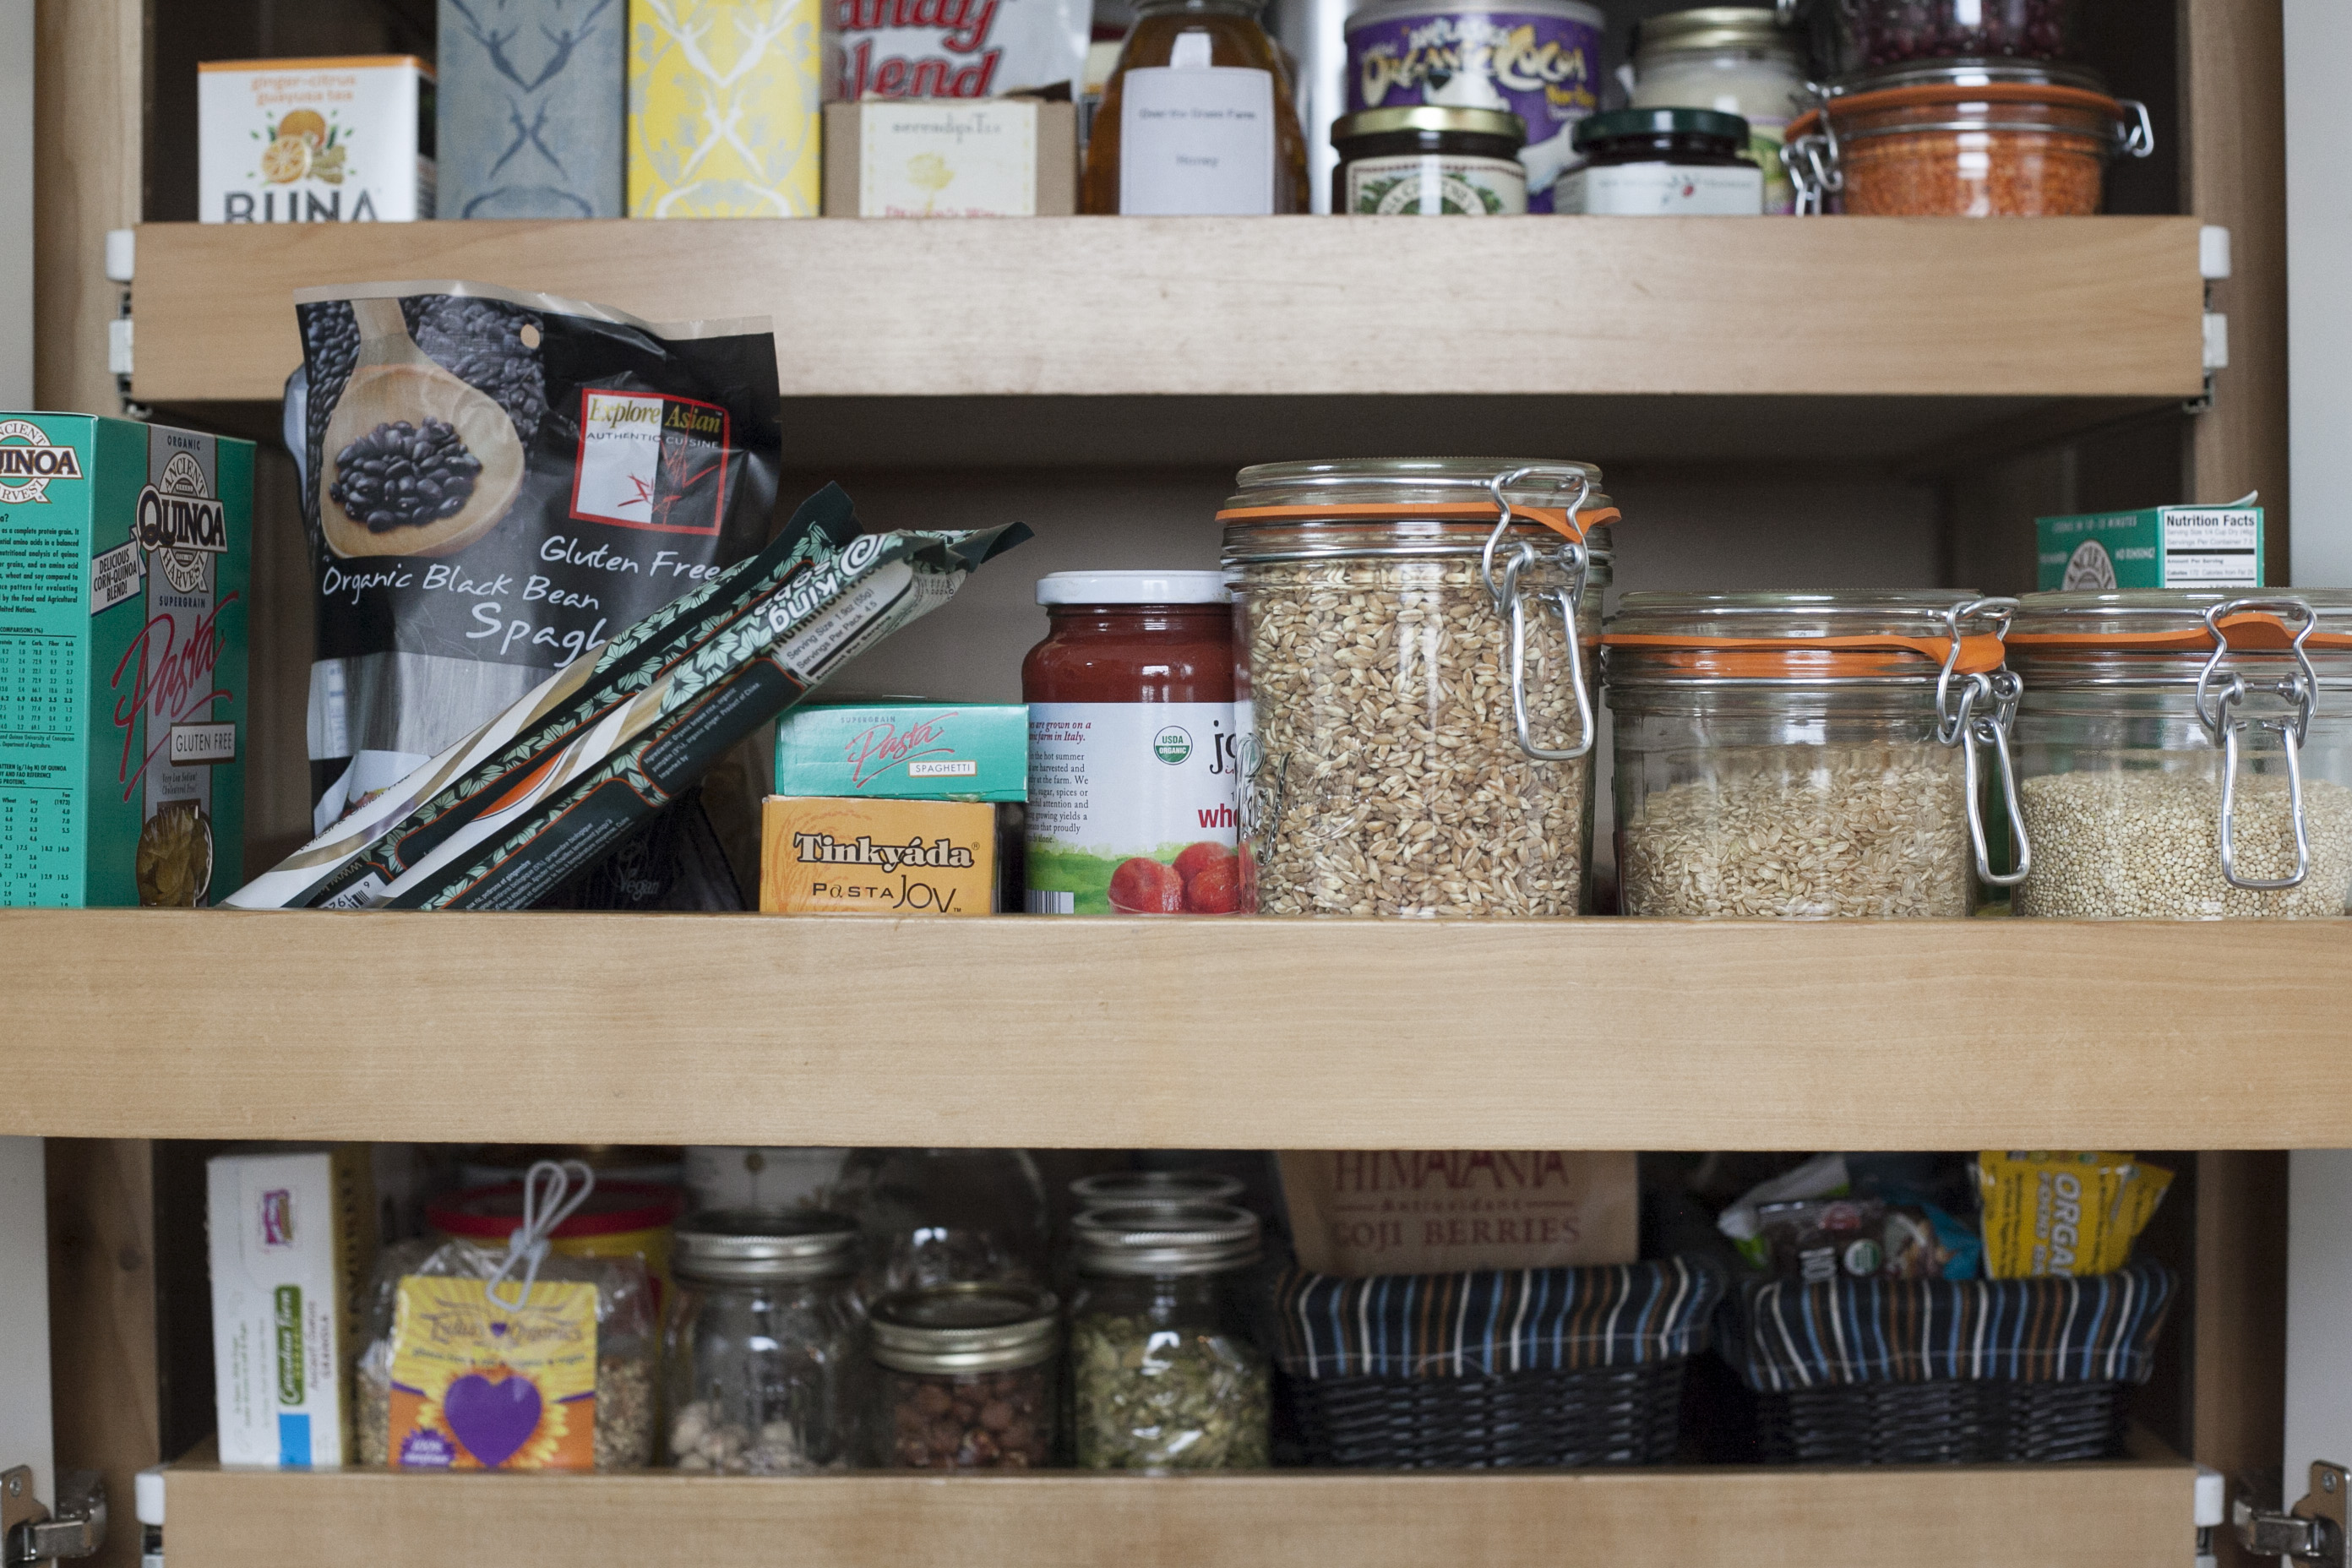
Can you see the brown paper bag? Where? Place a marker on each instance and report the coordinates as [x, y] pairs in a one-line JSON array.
[[1355, 1212]]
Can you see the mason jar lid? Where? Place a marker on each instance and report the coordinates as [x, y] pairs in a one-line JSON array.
[[2144, 625], [1801, 637], [965, 1327], [1108, 1187], [1132, 588], [1969, 72], [724, 1247], [1434, 506], [1428, 117], [1620, 122], [1716, 27], [1165, 1238]]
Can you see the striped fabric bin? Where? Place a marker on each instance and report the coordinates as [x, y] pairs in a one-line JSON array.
[[1931, 1371], [1546, 1366]]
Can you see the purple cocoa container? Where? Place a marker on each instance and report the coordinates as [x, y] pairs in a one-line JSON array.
[[1541, 59]]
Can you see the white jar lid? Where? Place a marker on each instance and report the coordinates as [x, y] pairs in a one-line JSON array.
[[1133, 588]]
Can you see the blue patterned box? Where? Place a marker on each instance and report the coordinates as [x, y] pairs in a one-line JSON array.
[[534, 107]]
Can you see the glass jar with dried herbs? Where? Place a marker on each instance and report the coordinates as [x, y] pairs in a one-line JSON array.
[[1166, 1374]]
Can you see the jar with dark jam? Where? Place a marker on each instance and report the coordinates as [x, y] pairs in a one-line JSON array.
[[1131, 751], [1431, 162], [1642, 162]]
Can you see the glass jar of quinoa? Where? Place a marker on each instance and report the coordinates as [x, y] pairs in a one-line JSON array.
[[1806, 755], [1964, 139], [1414, 697], [2186, 754]]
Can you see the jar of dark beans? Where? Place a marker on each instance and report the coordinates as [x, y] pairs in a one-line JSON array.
[[1886, 32], [967, 1378]]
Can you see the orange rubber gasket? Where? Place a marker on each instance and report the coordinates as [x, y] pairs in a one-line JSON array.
[[2251, 632], [1928, 94], [1980, 652], [1552, 516]]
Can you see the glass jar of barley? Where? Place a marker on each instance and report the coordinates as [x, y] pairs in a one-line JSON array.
[[2186, 754], [1415, 696], [1794, 756]]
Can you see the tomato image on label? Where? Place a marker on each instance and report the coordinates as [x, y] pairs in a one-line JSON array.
[[1145, 887], [1131, 809], [1216, 888]]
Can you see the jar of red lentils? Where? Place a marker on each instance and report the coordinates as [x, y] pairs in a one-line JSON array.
[[1963, 139]]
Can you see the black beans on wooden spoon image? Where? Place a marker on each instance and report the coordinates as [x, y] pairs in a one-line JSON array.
[[415, 461]]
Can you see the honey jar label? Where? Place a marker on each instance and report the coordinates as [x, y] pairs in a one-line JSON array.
[[477, 1385], [1131, 809]]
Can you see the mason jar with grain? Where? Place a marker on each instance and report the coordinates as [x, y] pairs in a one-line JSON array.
[[1414, 697], [2186, 754], [1807, 754]]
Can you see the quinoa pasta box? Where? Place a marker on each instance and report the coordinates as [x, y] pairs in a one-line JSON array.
[[125, 553]]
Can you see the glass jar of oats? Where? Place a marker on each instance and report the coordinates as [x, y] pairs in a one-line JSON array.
[[1808, 754], [2186, 754], [1414, 696]]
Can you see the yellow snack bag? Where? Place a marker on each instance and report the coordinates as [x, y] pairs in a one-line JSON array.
[[2065, 1212]]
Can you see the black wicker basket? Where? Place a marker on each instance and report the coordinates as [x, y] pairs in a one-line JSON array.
[[1928, 1372], [1984, 1420], [1601, 1415]]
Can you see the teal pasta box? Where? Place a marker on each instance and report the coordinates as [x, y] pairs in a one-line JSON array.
[[905, 750], [125, 582], [2158, 547]]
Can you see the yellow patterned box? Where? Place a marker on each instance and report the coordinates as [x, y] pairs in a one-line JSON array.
[[820, 855], [724, 100]]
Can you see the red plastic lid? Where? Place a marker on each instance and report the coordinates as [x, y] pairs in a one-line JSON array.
[[491, 1214]]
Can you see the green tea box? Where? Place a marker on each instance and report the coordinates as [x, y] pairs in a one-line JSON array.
[[2159, 547], [902, 750], [125, 587]]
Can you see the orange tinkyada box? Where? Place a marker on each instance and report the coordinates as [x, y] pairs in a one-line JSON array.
[[882, 857]]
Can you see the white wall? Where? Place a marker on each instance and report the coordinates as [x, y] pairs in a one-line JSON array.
[[17, 201], [2319, 289]]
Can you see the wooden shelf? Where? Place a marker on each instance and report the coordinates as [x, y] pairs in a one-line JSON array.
[[2122, 1515], [1191, 1034], [2054, 307]]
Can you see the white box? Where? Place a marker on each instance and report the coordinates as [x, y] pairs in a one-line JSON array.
[[315, 141], [289, 1236]]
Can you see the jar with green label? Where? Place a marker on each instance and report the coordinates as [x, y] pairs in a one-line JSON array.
[[1429, 162], [1165, 1372]]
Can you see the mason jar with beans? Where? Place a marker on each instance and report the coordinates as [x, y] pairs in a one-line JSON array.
[[966, 1379]]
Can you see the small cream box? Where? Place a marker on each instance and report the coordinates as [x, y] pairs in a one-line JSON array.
[[314, 140], [290, 1237], [907, 157]]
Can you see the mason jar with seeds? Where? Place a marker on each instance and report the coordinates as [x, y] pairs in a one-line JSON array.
[[2186, 754], [1414, 699], [1808, 754]]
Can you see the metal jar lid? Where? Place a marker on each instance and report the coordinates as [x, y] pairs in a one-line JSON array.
[[1433, 506], [1619, 122], [1112, 1187], [1165, 1238], [1428, 117], [731, 1247], [1969, 72], [1796, 639], [965, 1327], [1716, 27], [2166, 636]]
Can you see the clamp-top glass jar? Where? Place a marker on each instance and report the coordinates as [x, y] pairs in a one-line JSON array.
[[1807, 754], [2185, 753], [764, 1353], [1415, 703], [1165, 1372], [968, 1377], [1964, 139]]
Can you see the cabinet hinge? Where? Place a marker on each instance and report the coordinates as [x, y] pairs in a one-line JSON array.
[[2311, 1531], [33, 1534]]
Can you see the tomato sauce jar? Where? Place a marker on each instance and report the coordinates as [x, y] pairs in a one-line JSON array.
[[1131, 750]]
